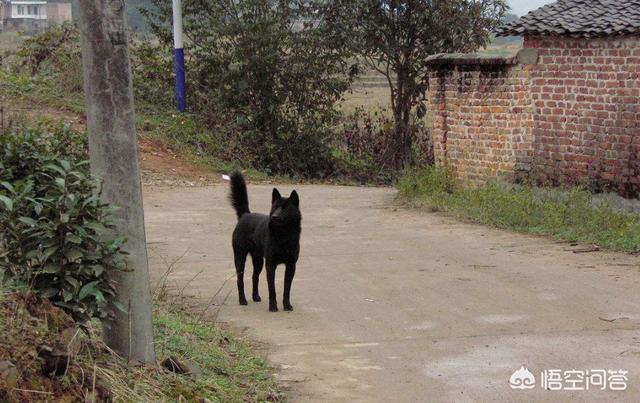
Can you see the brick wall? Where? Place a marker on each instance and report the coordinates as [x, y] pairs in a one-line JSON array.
[[481, 120], [573, 117], [586, 96]]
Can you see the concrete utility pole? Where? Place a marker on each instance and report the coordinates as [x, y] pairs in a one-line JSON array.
[[113, 152]]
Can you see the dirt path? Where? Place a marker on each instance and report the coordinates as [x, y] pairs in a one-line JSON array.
[[398, 305]]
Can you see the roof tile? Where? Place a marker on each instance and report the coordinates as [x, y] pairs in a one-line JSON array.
[[581, 18]]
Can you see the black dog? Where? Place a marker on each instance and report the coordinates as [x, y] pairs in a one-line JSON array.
[[274, 238]]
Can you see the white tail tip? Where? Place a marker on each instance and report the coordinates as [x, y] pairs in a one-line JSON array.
[[226, 177]]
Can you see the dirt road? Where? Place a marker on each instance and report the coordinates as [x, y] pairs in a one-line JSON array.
[[400, 305]]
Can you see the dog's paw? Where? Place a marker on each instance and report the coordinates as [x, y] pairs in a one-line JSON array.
[[257, 298], [288, 307], [243, 302], [273, 309]]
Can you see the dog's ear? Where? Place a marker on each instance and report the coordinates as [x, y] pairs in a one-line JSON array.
[[294, 199], [275, 195]]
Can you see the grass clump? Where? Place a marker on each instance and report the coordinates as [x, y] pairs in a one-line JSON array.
[[569, 214]]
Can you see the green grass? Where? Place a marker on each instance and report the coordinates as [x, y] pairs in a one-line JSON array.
[[231, 371], [569, 214]]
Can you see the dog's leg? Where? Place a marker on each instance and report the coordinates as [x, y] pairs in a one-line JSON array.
[[288, 279], [240, 259], [258, 261], [271, 282]]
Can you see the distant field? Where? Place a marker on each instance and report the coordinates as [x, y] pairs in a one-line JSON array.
[[371, 90]]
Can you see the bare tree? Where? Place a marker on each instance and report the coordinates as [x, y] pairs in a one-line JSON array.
[[114, 158]]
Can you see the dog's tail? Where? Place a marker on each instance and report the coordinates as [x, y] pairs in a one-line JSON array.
[[239, 198]]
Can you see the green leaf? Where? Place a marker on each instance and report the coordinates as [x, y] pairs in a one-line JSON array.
[[48, 252], [8, 203], [88, 289], [75, 283], [51, 268], [60, 182], [65, 164], [8, 186], [73, 254], [98, 269], [47, 243], [28, 220], [119, 306], [55, 168], [99, 296], [64, 218], [97, 227], [118, 242], [73, 238], [67, 295]]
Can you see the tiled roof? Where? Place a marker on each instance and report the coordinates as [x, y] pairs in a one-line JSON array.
[[580, 18]]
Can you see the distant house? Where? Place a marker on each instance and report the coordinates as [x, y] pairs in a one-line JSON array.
[[32, 15]]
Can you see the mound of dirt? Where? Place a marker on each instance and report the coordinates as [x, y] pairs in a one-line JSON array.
[[38, 346]]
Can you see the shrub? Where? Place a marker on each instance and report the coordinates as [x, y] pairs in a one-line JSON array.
[[262, 71], [152, 73], [53, 224], [55, 54], [365, 149]]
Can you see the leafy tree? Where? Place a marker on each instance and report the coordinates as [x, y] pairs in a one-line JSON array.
[[394, 37], [265, 66]]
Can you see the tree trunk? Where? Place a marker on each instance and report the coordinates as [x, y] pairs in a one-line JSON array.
[[114, 159], [402, 141]]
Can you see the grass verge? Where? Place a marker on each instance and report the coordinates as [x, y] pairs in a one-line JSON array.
[[568, 214], [223, 369]]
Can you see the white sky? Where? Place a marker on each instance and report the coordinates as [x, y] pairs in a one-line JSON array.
[[521, 7]]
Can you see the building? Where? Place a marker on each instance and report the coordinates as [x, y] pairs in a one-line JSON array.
[[32, 15], [565, 110]]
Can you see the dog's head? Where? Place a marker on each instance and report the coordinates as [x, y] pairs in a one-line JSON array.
[[285, 211]]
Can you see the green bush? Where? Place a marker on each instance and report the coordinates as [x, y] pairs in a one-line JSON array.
[[152, 73], [53, 224], [262, 74], [54, 54]]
